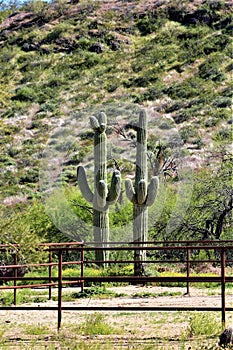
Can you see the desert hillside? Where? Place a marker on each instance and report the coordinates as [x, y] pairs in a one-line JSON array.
[[64, 60]]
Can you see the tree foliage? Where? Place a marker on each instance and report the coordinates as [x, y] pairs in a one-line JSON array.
[[209, 215]]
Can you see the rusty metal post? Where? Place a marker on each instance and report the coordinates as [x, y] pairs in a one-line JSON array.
[[223, 282], [188, 271], [82, 268], [50, 274], [59, 290], [15, 276]]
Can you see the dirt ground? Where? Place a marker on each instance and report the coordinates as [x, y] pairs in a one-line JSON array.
[[145, 331]]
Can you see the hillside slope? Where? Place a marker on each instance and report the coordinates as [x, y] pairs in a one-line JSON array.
[[60, 59]]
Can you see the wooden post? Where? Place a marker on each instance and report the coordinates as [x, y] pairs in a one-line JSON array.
[[223, 282], [59, 290], [15, 276]]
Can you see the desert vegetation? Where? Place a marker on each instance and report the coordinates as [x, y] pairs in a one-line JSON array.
[[62, 62], [59, 59]]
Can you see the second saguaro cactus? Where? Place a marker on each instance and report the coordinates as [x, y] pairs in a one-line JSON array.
[[141, 194], [101, 197]]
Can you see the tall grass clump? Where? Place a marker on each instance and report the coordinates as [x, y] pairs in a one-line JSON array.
[[203, 324], [96, 324]]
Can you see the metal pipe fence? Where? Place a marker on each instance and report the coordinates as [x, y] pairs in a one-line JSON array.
[[187, 247]]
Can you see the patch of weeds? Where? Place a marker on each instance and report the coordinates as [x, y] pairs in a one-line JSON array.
[[2, 331], [223, 135], [75, 344], [155, 295], [169, 294], [96, 324], [22, 296], [35, 329], [203, 324], [212, 293], [95, 292], [188, 132]]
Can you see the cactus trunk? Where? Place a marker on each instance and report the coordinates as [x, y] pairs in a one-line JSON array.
[[101, 234], [140, 229]]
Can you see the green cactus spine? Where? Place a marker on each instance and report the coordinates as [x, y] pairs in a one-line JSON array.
[[102, 197], [141, 194]]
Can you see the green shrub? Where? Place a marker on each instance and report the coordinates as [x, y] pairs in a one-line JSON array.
[[25, 93], [188, 132], [93, 292], [222, 102], [209, 70], [189, 88], [182, 116], [223, 135], [147, 24], [56, 33], [172, 284], [125, 270], [22, 296]]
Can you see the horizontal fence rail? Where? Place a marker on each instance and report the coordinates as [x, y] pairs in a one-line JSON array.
[[61, 249]]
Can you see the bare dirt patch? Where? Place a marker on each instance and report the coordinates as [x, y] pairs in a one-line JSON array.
[[163, 330]]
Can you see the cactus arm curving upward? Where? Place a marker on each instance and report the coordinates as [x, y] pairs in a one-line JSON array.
[[141, 192], [94, 123], [115, 188], [83, 184], [101, 194], [152, 191], [130, 192]]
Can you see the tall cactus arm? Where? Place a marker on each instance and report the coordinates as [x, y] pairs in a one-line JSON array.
[[94, 123], [115, 188], [152, 190], [141, 192], [129, 190], [102, 121], [83, 184], [143, 120], [101, 194]]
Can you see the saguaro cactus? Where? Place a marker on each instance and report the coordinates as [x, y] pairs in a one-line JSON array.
[[141, 194], [101, 197]]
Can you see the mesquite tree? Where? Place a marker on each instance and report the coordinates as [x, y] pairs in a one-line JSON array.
[[141, 194], [101, 197]]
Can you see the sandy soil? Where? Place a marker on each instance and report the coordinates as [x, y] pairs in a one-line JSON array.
[[197, 297]]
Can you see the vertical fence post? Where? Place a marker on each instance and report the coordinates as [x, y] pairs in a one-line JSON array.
[[223, 281], [59, 289], [50, 274], [15, 276], [188, 271], [82, 268]]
